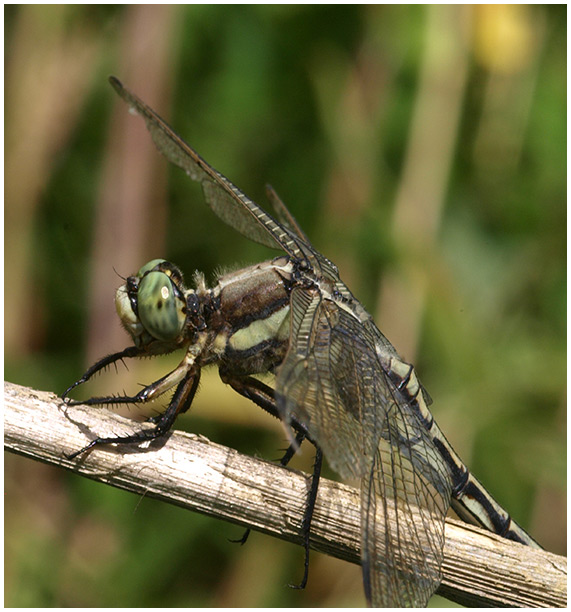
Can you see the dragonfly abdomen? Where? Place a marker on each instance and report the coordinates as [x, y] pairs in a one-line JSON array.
[[470, 500]]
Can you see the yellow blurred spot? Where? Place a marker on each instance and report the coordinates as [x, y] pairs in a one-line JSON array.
[[504, 38]]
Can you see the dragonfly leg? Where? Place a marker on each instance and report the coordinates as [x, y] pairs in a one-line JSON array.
[[254, 390], [263, 395], [308, 515], [180, 402], [131, 351], [146, 394]]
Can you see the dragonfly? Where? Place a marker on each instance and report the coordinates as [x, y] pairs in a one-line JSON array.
[[338, 382]]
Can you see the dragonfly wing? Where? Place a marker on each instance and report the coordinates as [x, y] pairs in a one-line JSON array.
[[225, 199], [404, 500], [283, 215], [316, 383], [331, 381]]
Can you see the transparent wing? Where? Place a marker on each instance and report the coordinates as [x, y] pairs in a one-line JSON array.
[[284, 215], [332, 382], [404, 497], [223, 197]]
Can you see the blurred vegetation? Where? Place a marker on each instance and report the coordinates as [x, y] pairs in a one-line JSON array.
[[422, 148]]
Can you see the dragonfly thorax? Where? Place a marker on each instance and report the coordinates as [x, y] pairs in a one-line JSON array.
[[249, 317]]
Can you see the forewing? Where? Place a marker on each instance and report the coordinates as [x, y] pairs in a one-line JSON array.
[[331, 381], [225, 199], [322, 380]]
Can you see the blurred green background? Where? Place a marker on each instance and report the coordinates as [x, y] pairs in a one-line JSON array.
[[422, 148]]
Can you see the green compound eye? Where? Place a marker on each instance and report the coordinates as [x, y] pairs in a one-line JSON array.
[[160, 311]]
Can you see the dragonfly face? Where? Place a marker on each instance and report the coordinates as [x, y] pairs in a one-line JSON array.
[[339, 381], [152, 305]]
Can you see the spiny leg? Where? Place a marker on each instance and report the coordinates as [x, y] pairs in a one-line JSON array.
[[131, 351], [180, 402], [146, 394], [263, 396]]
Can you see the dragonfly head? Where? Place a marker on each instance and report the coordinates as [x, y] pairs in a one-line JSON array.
[[152, 304]]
